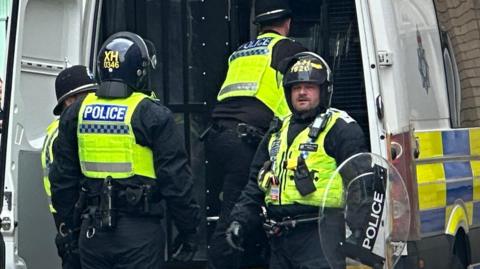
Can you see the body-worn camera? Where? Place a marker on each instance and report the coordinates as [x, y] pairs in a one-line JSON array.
[[303, 178]]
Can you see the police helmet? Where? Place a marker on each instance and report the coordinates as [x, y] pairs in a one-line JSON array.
[[268, 10], [309, 67], [124, 64], [70, 82]]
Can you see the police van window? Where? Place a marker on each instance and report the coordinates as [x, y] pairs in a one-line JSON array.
[[309, 26], [461, 60], [329, 28], [453, 82]]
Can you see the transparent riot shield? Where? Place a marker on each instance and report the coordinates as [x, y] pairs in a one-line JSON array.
[[365, 214]]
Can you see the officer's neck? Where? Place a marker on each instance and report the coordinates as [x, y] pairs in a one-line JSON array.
[[304, 117], [276, 30], [307, 116]]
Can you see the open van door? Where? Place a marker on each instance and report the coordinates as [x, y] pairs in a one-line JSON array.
[[45, 37], [8, 16]]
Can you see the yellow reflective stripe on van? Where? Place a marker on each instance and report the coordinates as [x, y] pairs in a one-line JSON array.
[[448, 178], [431, 144], [475, 141], [456, 217], [476, 179]]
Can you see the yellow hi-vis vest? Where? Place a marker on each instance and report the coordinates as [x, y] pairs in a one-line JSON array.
[[285, 162], [106, 143], [250, 74], [47, 159]]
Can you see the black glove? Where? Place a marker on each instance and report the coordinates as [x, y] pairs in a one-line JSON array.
[[235, 235], [184, 247]]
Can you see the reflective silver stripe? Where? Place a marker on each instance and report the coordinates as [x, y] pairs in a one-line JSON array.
[[246, 86], [107, 167]]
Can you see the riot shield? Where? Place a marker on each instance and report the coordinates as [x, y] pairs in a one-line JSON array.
[[365, 214]]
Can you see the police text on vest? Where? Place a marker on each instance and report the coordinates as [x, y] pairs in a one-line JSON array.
[[104, 113]]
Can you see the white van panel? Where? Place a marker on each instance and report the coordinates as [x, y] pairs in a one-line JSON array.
[[50, 36], [414, 95], [51, 40], [419, 42]]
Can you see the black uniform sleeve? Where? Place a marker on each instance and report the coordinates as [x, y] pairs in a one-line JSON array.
[[154, 127], [247, 210], [283, 50], [345, 139], [65, 172]]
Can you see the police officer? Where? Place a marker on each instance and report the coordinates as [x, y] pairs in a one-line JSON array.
[[118, 154], [292, 166], [70, 84], [247, 101]]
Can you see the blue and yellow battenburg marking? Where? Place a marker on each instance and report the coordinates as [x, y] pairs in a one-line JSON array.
[[448, 177], [110, 116]]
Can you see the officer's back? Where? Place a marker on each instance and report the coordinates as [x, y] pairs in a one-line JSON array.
[[124, 147]]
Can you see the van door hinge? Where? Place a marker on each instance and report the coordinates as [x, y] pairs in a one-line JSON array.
[[385, 58]]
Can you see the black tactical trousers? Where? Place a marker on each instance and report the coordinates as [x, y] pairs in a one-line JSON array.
[[229, 159], [136, 242], [70, 258], [298, 248], [301, 247]]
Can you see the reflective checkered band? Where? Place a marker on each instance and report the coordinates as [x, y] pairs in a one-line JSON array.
[[250, 52], [104, 128]]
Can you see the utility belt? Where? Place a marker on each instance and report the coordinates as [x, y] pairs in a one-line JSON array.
[[275, 227], [246, 132], [102, 210]]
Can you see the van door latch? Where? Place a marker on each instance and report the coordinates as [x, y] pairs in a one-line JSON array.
[[385, 58]]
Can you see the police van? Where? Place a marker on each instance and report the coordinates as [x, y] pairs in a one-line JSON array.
[[396, 71]]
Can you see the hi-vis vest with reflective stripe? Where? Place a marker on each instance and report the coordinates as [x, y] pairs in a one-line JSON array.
[[250, 74], [106, 143], [47, 159], [317, 160]]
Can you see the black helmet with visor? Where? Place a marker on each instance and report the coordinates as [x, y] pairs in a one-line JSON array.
[[308, 67], [124, 64]]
